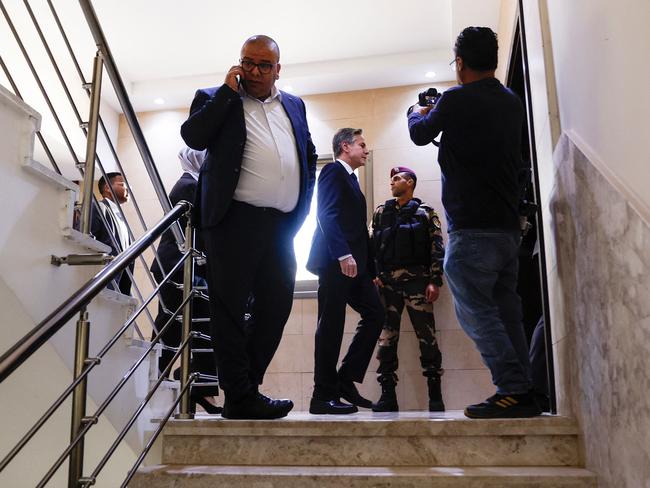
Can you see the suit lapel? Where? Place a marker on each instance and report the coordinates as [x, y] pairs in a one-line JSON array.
[[356, 189], [111, 219], [296, 119]]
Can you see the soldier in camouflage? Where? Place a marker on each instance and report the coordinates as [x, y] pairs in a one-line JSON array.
[[409, 253]]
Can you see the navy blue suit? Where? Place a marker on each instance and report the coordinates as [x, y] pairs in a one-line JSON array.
[[342, 230], [249, 249]]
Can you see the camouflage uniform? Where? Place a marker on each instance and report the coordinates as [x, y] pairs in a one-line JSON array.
[[405, 285]]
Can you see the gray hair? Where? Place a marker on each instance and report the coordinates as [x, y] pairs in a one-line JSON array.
[[344, 135]]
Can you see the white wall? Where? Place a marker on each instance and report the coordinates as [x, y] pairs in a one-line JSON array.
[[587, 105], [600, 51]]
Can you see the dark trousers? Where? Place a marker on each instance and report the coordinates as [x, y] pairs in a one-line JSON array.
[[250, 252], [123, 281], [335, 291], [201, 362]]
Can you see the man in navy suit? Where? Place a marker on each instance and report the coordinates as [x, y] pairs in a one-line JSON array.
[[340, 256], [254, 192]]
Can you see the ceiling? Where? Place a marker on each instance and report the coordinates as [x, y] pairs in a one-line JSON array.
[[168, 48]]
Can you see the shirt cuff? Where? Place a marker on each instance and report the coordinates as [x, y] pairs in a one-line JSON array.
[[345, 257]]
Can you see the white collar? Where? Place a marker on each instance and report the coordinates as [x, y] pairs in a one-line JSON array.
[[275, 93], [347, 167]]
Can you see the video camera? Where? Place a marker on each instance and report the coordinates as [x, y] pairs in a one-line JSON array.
[[428, 97]]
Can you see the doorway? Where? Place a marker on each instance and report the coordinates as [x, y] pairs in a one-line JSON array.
[[532, 283]]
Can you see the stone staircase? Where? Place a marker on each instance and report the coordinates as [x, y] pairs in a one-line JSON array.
[[408, 449]]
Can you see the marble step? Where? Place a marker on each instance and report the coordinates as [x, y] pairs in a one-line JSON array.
[[174, 476], [368, 439]]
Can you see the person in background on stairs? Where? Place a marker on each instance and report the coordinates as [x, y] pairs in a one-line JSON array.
[[481, 160], [342, 258], [116, 235], [407, 241], [254, 193], [168, 256]]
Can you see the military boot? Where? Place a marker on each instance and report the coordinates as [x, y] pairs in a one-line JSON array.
[[435, 395], [388, 400]]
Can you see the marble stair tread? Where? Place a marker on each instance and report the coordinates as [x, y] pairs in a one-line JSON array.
[[366, 423], [176, 476]]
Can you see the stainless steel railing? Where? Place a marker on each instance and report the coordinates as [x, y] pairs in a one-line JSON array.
[[89, 131], [82, 423], [10, 361]]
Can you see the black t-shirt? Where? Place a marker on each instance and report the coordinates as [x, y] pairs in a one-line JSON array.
[[479, 154]]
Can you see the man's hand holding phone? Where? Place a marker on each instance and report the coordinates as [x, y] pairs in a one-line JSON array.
[[234, 76]]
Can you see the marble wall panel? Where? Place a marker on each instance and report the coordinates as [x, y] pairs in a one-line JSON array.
[[603, 271]]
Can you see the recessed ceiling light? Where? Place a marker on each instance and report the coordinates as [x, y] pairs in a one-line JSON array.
[[159, 101], [287, 88], [430, 74]]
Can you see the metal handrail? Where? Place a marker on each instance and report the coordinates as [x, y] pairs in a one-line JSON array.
[[89, 367], [37, 78], [26, 346], [157, 183], [39, 136], [185, 344], [77, 303], [163, 422], [92, 420], [108, 140], [128, 111], [94, 91]]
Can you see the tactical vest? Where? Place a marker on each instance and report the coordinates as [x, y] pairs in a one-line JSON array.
[[402, 236]]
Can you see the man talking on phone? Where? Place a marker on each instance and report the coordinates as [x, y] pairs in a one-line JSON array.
[[254, 192]]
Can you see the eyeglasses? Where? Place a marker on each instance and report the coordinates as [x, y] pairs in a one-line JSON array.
[[248, 66]]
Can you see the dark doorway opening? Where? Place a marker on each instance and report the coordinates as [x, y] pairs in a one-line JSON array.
[[533, 284]]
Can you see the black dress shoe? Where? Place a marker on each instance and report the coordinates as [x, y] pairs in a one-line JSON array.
[[256, 406], [331, 407], [349, 392]]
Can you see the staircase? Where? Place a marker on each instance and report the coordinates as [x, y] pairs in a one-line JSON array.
[[409, 449], [38, 225]]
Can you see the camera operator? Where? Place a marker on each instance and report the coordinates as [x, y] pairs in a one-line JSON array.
[[480, 158]]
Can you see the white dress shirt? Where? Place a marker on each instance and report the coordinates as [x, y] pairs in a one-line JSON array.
[[112, 213], [270, 170]]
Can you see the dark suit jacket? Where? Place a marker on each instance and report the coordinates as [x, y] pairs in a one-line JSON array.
[[341, 217], [216, 122], [168, 252], [101, 232], [107, 236]]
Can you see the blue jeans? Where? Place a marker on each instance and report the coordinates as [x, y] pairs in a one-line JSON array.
[[481, 270]]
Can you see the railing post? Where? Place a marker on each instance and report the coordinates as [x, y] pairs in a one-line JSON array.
[[188, 285], [75, 471], [91, 145]]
